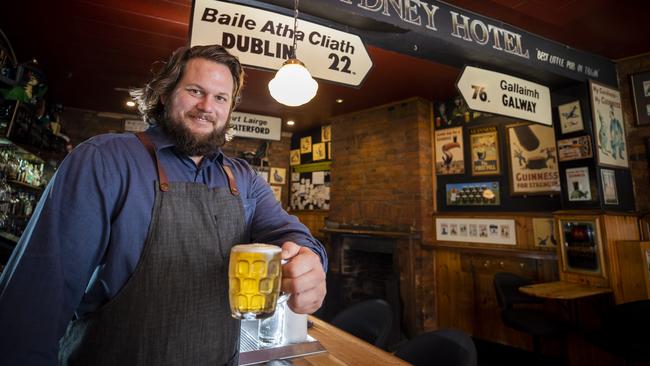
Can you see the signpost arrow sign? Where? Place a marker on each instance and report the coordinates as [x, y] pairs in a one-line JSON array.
[[264, 39], [493, 92]]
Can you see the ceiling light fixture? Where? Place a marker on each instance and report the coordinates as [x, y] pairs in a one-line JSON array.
[[130, 103], [339, 100], [293, 85], [290, 123]]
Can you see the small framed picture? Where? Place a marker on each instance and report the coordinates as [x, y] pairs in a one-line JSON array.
[[318, 151], [543, 234], [294, 157], [570, 117], [305, 145], [641, 96], [484, 147], [277, 176], [610, 195], [326, 133], [449, 151], [574, 148], [578, 184], [609, 129], [473, 194]]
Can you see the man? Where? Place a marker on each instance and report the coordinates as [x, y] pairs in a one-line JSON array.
[[125, 259]]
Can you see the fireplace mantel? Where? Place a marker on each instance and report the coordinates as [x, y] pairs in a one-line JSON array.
[[378, 233]]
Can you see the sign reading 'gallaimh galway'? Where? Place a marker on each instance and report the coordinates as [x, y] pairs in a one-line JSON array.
[[493, 92]]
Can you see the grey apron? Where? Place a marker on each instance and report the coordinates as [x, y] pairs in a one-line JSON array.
[[174, 309]]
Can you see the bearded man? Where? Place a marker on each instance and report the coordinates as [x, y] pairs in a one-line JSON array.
[[125, 259]]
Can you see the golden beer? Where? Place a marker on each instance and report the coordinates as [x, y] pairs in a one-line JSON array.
[[254, 276]]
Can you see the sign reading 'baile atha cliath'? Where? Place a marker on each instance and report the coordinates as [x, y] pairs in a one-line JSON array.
[[264, 39], [493, 92]]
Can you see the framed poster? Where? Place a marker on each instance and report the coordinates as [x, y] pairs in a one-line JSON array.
[[575, 148], [570, 117], [543, 233], [489, 231], [277, 175], [294, 157], [484, 150], [608, 177], [449, 151], [641, 96], [305, 145], [473, 194], [326, 133], [533, 164], [578, 185], [608, 125], [318, 151]]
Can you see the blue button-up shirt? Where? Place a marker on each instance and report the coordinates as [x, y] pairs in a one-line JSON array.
[[89, 228]]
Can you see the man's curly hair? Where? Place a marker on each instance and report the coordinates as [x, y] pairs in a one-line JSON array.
[[165, 80]]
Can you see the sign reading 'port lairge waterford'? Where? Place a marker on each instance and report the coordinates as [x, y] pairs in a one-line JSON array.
[[493, 92], [256, 126], [264, 39]]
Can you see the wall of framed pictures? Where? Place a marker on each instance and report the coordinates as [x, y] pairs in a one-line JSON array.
[[492, 163], [486, 162]]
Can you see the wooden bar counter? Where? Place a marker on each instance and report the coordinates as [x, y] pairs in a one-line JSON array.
[[343, 349]]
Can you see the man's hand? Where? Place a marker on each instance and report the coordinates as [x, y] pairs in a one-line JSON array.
[[303, 277]]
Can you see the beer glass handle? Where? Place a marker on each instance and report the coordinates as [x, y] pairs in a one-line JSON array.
[[283, 295]]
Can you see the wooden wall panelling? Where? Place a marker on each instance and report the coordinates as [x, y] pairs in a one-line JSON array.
[[633, 270]]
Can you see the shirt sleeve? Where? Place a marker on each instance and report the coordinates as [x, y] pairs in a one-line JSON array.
[[272, 224], [44, 281]]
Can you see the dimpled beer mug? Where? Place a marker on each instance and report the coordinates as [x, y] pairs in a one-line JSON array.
[[254, 276]]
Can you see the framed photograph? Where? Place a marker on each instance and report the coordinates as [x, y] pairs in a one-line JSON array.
[[488, 231], [277, 192], [570, 117], [610, 195], [294, 157], [532, 158], [318, 151], [305, 145], [641, 96], [277, 175], [543, 233], [575, 148], [449, 151], [326, 133], [578, 185], [484, 150], [581, 244], [608, 125], [473, 194]]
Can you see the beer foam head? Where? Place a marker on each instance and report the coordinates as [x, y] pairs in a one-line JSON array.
[[256, 248]]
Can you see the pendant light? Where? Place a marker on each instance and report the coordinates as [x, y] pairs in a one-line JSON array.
[[293, 85]]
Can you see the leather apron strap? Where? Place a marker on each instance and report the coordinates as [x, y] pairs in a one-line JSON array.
[[162, 176]]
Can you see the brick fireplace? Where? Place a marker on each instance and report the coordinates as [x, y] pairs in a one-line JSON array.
[[381, 211]]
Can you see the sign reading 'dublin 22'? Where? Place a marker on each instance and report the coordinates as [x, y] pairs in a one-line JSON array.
[[256, 126], [493, 92], [264, 39]]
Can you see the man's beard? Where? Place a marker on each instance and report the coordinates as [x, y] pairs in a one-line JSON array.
[[190, 143]]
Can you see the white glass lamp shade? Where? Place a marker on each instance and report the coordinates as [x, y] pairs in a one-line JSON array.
[[293, 84]]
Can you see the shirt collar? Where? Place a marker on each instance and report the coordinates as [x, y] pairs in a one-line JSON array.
[[161, 141]]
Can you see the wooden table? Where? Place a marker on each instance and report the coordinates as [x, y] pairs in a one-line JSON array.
[[562, 290], [343, 349]]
